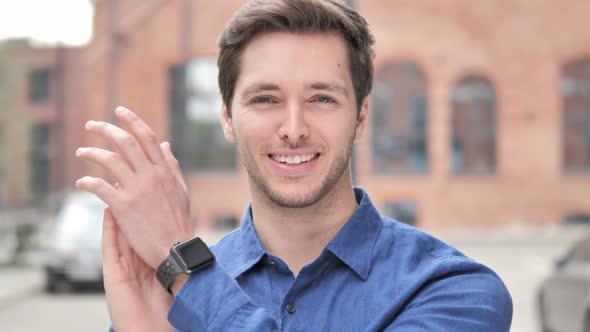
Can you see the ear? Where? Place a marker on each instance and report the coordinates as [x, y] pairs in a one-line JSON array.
[[227, 124], [362, 120]]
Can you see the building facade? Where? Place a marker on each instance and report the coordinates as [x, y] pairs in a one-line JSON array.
[[40, 121], [480, 113]]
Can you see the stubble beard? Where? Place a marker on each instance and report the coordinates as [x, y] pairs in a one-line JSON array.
[[304, 200]]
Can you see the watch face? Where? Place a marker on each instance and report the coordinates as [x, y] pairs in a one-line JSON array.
[[194, 253]]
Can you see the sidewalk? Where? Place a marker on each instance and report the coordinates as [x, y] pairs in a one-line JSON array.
[[18, 282]]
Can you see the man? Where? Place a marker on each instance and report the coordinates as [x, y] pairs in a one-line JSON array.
[[312, 252]]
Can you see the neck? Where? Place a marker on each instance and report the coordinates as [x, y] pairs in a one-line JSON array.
[[298, 235]]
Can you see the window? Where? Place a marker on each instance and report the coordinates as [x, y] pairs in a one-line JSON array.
[[225, 223], [575, 92], [473, 147], [576, 219], [195, 103], [40, 161], [400, 120], [401, 211], [39, 85], [579, 253]]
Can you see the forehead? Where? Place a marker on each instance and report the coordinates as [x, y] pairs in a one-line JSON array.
[[295, 58]]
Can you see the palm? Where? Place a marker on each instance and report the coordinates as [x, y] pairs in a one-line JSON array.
[[131, 285]]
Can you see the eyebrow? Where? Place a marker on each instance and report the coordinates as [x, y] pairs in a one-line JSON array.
[[266, 86], [260, 87], [331, 86]]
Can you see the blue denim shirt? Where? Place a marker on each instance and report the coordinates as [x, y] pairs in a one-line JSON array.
[[375, 275]]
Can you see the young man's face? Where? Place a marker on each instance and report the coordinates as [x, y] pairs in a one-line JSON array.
[[294, 116]]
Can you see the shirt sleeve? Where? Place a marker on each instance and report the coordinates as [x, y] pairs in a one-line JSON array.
[[211, 300], [458, 301]]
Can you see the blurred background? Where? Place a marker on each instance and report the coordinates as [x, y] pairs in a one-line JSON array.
[[479, 133]]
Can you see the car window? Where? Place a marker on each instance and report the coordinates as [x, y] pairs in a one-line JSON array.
[[580, 253]]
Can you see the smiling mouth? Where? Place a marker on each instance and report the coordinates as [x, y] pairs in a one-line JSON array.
[[294, 160]]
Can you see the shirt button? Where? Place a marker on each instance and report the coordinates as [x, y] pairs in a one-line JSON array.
[[291, 308], [273, 264]]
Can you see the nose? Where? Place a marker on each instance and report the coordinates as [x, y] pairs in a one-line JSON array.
[[293, 127]]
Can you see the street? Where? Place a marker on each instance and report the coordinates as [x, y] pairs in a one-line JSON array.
[[521, 256], [24, 307]]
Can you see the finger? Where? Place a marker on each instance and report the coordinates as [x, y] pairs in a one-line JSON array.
[[173, 163], [144, 135], [125, 142], [99, 187], [110, 248], [111, 161]]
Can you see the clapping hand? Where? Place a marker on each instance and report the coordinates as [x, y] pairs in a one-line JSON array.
[[148, 212]]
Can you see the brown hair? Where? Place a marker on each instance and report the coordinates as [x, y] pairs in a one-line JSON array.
[[297, 16]]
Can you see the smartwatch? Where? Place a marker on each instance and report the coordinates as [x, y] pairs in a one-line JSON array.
[[185, 257]]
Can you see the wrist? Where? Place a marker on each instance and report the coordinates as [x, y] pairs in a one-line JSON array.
[[166, 248], [178, 283], [185, 258]]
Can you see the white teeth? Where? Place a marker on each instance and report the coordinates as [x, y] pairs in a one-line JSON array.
[[293, 160]]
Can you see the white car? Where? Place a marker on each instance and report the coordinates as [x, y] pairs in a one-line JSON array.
[[73, 252], [564, 297]]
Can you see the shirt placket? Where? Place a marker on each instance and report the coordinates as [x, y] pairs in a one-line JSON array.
[[292, 305]]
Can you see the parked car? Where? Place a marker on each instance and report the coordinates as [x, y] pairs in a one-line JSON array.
[[73, 250], [564, 297]]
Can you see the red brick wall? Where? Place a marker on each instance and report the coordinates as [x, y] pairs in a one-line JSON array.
[[519, 45]]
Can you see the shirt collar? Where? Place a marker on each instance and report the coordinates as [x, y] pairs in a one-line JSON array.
[[353, 244], [249, 249]]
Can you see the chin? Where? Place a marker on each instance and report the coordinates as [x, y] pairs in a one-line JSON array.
[[290, 199], [295, 195]]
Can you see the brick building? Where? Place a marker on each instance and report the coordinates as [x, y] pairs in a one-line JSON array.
[[40, 117], [480, 111]]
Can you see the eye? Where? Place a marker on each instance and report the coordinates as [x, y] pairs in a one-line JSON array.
[[262, 100], [325, 99]]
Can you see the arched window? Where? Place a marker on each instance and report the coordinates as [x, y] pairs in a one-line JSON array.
[[575, 93], [473, 146], [400, 118]]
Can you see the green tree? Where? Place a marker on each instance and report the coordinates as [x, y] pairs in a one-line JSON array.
[[12, 72]]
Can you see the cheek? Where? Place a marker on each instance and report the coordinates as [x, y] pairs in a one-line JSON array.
[[253, 130]]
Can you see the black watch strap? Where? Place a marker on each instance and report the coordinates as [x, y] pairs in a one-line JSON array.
[[185, 257], [168, 270]]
